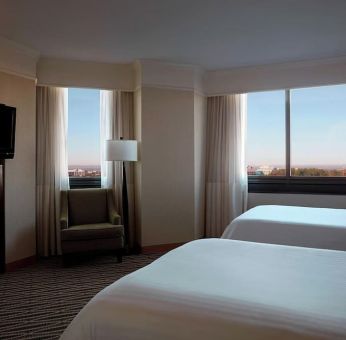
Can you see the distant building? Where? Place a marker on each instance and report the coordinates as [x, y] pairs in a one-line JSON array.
[[76, 173], [251, 170], [264, 170]]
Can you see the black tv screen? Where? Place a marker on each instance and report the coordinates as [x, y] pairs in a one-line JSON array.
[[7, 131]]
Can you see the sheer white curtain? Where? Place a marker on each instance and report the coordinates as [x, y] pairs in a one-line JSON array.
[[116, 120], [226, 176], [52, 167], [110, 114]]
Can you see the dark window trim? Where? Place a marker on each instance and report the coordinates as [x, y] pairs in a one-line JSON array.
[[290, 184], [298, 185], [84, 182]]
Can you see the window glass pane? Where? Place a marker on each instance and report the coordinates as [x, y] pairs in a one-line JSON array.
[[318, 131], [265, 147], [83, 132]]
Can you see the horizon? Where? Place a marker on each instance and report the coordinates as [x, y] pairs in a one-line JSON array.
[[321, 166]]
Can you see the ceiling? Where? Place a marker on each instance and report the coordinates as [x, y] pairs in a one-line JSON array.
[[215, 34]]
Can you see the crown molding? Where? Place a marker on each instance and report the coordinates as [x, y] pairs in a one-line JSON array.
[[166, 75], [23, 61], [75, 73], [185, 77], [283, 65], [18, 59], [296, 74]]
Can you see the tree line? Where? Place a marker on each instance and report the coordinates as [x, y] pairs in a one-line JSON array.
[[312, 172]]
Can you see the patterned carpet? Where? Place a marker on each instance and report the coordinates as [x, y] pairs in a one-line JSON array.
[[38, 302]]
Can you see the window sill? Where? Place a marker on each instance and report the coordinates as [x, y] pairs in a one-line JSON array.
[[298, 185], [84, 182]]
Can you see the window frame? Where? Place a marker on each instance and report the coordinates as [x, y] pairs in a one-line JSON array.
[[295, 184], [84, 182]]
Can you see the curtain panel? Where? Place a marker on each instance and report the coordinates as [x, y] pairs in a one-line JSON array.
[[226, 177], [117, 120], [51, 165]]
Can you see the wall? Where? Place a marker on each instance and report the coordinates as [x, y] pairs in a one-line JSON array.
[[17, 59], [200, 125], [167, 157], [72, 73], [320, 201], [20, 172]]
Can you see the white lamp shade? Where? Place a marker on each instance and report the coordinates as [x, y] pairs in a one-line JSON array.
[[121, 150]]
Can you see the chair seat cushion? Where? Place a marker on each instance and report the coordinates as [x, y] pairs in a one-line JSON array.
[[92, 231]]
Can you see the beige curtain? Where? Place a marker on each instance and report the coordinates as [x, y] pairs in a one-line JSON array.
[[226, 177], [51, 166], [117, 120]]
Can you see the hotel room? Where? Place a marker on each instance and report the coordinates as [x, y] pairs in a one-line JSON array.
[[172, 169]]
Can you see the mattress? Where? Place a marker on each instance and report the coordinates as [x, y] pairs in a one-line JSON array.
[[223, 289], [296, 226]]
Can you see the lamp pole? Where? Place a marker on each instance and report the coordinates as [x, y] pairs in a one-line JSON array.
[[123, 151], [125, 206]]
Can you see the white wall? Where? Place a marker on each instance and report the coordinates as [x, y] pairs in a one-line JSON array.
[[17, 59], [72, 73], [167, 157], [20, 172], [200, 128], [320, 201]]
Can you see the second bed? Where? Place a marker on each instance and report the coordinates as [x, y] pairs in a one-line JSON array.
[[287, 225]]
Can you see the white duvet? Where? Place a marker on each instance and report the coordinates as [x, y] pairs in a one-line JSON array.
[[297, 226], [223, 289]]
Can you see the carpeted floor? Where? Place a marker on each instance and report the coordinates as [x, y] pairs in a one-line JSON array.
[[38, 302]]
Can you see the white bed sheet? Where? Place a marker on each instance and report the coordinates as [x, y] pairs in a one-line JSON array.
[[222, 289], [297, 226]]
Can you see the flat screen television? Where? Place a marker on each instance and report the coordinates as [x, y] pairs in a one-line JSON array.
[[7, 131]]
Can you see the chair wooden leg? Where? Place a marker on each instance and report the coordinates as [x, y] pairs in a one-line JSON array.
[[65, 260], [119, 255]]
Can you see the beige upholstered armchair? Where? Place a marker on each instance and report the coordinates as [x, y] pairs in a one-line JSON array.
[[89, 222]]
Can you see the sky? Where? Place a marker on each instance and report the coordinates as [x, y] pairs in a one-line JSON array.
[[318, 127], [83, 127]]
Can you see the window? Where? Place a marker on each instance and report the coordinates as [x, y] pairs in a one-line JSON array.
[[297, 140], [84, 138], [266, 134], [318, 131]]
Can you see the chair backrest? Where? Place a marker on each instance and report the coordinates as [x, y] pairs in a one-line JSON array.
[[87, 206]]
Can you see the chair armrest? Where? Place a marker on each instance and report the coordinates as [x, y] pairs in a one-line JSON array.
[[114, 217], [63, 210]]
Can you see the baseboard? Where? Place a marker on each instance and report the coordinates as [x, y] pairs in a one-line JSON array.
[[12, 266], [160, 248]]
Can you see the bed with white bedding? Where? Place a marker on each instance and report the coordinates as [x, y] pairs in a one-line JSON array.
[[223, 289], [297, 226]]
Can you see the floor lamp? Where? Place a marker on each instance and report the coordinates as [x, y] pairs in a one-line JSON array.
[[123, 151]]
